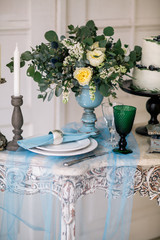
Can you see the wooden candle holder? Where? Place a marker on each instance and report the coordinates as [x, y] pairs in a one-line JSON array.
[[2, 80], [17, 122]]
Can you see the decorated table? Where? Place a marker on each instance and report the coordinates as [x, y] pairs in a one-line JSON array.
[[71, 183], [92, 66]]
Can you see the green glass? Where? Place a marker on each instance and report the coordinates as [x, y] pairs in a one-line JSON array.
[[123, 117]]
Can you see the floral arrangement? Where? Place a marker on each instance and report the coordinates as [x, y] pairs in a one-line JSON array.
[[83, 58]]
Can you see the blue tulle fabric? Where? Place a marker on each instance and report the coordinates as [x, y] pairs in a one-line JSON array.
[[119, 193]]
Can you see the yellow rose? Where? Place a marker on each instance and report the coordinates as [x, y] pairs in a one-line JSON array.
[[95, 57], [83, 75]]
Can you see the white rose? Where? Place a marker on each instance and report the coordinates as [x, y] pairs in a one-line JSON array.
[[95, 57], [95, 45]]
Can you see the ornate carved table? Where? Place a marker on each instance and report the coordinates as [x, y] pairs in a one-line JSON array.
[[71, 183]]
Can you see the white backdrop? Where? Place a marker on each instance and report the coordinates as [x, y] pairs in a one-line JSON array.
[[25, 22]]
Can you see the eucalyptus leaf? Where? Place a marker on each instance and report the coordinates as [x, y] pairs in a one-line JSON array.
[[131, 64], [44, 96], [112, 54], [58, 91], [105, 90], [99, 38], [126, 45], [88, 41], [138, 51], [90, 24], [51, 36], [132, 56], [102, 43], [71, 27], [50, 96], [84, 33], [40, 95], [22, 63], [43, 87], [10, 66], [118, 44], [30, 71], [27, 56], [37, 77], [108, 31]]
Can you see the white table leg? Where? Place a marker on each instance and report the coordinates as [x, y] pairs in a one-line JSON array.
[[68, 212], [68, 221]]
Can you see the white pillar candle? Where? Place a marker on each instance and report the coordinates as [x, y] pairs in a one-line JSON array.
[[16, 72]]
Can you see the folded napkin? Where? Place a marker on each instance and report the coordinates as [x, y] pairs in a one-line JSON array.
[[49, 139]]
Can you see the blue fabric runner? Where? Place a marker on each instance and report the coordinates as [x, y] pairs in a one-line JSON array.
[[118, 216]]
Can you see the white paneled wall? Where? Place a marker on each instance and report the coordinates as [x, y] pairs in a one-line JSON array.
[[25, 22]]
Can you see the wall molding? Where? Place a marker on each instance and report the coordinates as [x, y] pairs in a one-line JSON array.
[[14, 25]]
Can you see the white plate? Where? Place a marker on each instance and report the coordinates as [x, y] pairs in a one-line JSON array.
[[66, 147], [91, 147]]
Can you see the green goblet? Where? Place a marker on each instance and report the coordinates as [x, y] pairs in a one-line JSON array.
[[124, 117]]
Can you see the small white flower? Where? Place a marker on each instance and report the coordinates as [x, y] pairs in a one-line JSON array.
[[123, 69], [92, 90], [65, 94], [75, 49], [68, 60], [103, 74]]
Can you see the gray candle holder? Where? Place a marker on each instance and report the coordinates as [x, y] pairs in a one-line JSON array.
[[17, 122]]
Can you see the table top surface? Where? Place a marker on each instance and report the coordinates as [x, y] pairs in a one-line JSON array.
[[38, 161]]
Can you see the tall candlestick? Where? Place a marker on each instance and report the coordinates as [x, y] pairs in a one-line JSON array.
[[16, 72]]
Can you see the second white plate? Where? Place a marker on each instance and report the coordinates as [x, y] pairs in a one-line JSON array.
[[91, 147], [66, 147]]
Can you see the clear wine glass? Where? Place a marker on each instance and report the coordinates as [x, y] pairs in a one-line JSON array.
[[107, 110]]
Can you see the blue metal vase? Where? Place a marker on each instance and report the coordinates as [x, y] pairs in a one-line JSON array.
[[89, 117]]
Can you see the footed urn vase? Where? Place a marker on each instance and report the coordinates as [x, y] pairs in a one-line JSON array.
[[89, 117]]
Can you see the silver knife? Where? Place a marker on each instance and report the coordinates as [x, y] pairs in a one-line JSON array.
[[72, 162]]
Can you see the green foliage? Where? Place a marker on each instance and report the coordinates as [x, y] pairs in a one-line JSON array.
[[105, 89], [108, 31], [10, 66], [52, 65], [26, 56], [58, 91], [138, 51], [88, 41], [51, 36]]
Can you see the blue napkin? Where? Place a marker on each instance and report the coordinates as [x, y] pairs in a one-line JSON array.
[[49, 139]]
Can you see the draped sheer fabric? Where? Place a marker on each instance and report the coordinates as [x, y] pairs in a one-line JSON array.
[[47, 220]]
